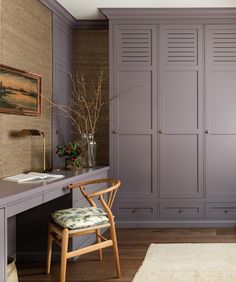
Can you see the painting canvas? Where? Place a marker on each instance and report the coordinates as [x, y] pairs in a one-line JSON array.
[[19, 91]]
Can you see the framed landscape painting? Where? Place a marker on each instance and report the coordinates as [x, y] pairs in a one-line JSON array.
[[19, 91]]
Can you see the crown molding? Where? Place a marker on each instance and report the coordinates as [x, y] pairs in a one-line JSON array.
[[169, 13], [60, 11]]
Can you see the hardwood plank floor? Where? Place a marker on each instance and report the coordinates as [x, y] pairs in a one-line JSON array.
[[133, 244]]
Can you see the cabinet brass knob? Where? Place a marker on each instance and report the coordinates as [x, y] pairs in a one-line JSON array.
[[161, 131], [207, 131], [226, 211], [133, 211], [179, 211], [115, 131]]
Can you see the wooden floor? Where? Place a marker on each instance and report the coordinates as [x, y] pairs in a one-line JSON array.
[[133, 244]]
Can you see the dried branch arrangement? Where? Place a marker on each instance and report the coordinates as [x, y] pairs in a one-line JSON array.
[[87, 102]]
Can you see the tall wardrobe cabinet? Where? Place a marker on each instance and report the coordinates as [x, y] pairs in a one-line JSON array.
[[173, 116]]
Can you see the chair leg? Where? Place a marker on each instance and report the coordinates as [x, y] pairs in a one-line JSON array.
[[115, 249], [98, 233], [64, 249], [49, 250]]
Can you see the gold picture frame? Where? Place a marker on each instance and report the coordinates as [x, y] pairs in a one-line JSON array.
[[20, 91]]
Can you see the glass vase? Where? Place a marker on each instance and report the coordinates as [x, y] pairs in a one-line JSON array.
[[90, 147]]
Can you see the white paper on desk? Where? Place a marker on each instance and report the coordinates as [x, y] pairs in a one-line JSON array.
[[24, 177]]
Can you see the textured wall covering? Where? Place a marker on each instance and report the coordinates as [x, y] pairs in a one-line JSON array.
[[26, 43], [90, 50]]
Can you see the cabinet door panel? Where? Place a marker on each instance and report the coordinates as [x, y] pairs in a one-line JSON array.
[[221, 93], [135, 165], [221, 164], [179, 99], [135, 100], [179, 166]]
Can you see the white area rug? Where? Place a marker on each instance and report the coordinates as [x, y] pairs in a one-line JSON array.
[[189, 263]]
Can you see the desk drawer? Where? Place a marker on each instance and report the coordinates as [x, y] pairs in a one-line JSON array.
[[221, 210], [56, 193], [23, 205], [181, 211]]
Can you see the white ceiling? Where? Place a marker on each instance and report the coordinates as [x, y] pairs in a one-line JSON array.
[[88, 9]]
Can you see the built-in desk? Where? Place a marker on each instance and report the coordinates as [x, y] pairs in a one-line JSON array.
[[16, 198]]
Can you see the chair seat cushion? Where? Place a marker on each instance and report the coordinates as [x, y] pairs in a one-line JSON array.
[[78, 218]]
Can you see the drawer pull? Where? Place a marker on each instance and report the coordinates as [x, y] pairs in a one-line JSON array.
[[133, 211], [180, 211], [226, 210]]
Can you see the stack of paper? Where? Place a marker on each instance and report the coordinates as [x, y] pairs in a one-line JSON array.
[[24, 177]]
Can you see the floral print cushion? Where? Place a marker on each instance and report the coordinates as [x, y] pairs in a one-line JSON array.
[[77, 218]]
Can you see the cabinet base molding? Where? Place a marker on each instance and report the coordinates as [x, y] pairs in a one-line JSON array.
[[176, 224]]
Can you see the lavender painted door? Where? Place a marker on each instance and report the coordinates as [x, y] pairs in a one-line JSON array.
[[133, 110], [221, 111], [180, 111]]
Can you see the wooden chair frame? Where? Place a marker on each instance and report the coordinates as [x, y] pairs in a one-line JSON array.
[[61, 235]]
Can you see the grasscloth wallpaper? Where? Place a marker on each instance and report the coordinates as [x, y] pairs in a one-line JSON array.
[[25, 43], [90, 50]]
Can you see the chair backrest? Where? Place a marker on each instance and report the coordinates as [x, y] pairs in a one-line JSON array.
[[110, 191]]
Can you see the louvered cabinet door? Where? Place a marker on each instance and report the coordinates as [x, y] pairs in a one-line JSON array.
[[221, 111], [133, 108], [180, 112], [134, 46]]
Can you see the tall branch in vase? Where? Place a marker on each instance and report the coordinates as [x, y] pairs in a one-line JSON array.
[[86, 104]]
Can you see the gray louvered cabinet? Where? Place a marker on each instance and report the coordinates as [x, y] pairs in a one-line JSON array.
[[173, 116], [134, 111], [221, 111], [180, 111]]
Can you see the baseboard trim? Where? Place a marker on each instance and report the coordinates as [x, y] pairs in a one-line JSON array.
[[175, 224]]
